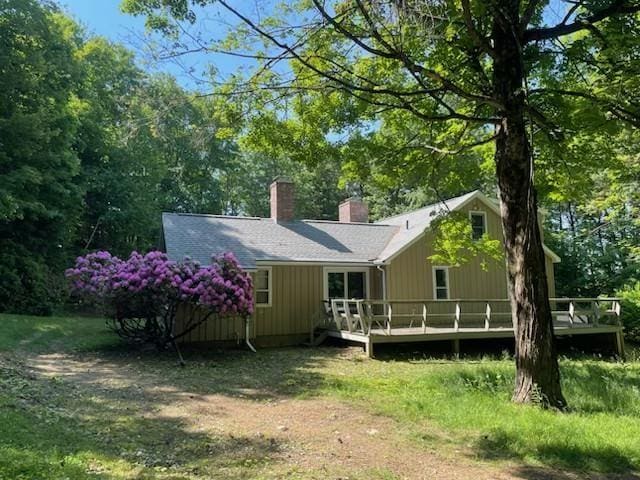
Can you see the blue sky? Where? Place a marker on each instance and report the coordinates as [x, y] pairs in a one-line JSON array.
[[104, 18]]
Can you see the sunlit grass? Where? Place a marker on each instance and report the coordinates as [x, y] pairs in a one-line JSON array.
[[54, 333], [471, 401], [52, 428]]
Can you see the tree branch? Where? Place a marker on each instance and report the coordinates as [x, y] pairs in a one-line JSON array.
[[624, 114], [411, 66], [617, 7], [528, 13], [479, 40]]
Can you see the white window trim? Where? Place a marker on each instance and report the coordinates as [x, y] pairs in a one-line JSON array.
[[484, 220], [435, 285], [270, 289], [327, 270]]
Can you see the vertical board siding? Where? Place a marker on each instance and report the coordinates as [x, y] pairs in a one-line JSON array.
[[214, 329], [296, 301], [297, 294], [409, 275], [375, 277]]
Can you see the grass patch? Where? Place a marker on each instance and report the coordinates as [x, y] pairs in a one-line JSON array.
[[49, 334], [66, 427], [470, 400]]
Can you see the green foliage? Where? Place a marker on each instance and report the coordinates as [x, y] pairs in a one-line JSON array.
[[594, 225], [582, 107], [94, 149], [453, 243], [630, 315], [28, 284], [39, 196]]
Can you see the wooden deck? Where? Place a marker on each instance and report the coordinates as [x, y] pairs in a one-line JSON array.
[[371, 322]]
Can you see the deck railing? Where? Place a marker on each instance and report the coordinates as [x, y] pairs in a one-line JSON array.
[[382, 316]]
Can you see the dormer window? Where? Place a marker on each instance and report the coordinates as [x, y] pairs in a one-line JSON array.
[[478, 224]]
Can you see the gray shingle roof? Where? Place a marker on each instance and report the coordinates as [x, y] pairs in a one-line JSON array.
[[253, 239], [417, 222]]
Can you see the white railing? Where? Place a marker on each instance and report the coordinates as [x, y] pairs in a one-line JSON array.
[[381, 316]]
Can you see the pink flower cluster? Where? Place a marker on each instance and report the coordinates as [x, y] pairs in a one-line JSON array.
[[222, 286]]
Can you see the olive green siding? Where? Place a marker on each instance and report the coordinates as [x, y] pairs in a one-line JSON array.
[[296, 299], [297, 292], [375, 277], [410, 273], [228, 329]]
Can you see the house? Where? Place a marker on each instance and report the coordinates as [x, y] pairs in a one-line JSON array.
[[296, 264]]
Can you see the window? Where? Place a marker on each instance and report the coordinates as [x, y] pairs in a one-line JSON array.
[[441, 283], [345, 283], [336, 285], [262, 287], [478, 224]]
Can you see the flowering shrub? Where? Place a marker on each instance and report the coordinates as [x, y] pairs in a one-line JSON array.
[[141, 295]]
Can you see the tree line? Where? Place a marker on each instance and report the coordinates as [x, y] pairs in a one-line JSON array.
[[93, 148]]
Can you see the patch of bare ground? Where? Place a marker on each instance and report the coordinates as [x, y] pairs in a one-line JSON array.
[[316, 437]]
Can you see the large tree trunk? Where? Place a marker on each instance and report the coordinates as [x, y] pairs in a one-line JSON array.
[[537, 372]]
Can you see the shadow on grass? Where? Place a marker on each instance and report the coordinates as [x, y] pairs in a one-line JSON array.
[[603, 398], [268, 374], [497, 446], [145, 446], [603, 387], [76, 402], [66, 427], [533, 473]]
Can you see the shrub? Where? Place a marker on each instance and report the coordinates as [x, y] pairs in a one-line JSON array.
[[630, 316], [28, 283], [140, 296]]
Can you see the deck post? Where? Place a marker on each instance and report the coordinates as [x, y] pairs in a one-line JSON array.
[[616, 310], [572, 311], [455, 344], [596, 312], [389, 320], [347, 314], [620, 344], [360, 316], [487, 318], [336, 315], [456, 320], [368, 346], [424, 318]]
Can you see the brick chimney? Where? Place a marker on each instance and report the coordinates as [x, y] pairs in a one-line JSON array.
[[353, 210], [282, 204]]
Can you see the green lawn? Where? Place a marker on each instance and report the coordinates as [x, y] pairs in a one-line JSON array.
[[65, 427], [470, 400]]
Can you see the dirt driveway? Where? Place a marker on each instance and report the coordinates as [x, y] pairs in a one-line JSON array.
[[235, 431]]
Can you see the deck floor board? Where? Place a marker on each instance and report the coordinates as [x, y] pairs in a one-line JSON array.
[[418, 334]]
